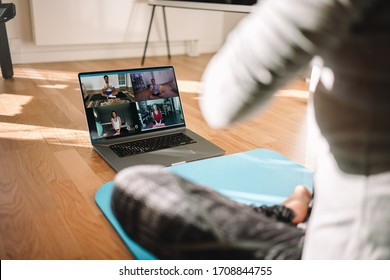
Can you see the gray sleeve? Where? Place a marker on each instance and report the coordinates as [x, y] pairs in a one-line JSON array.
[[267, 49]]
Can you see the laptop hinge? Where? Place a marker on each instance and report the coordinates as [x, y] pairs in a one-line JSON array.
[[140, 136]]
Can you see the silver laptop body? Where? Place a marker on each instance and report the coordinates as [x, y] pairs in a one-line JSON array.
[[123, 106]]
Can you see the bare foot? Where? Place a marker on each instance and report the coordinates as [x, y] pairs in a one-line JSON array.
[[299, 202]]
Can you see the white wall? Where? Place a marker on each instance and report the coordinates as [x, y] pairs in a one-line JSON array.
[[163, 77], [66, 41]]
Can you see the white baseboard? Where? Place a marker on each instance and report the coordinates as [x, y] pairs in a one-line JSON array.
[[77, 53]]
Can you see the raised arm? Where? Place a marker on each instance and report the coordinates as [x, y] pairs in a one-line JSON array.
[[267, 49]]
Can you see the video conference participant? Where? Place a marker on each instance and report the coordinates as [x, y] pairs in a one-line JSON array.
[[157, 116], [108, 89], [155, 90], [116, 122]]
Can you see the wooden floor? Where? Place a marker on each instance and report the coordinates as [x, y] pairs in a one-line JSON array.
[[49, 172]]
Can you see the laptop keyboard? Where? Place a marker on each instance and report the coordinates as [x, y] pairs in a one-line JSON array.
[[151, 144]]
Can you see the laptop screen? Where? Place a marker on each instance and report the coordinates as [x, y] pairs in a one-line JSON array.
[[129, 102]]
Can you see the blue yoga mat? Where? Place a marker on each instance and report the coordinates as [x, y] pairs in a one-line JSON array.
[[255, 177]]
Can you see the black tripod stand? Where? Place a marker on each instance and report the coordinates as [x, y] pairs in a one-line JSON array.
[[7, 12]]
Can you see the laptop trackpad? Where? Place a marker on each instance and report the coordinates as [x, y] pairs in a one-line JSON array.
[[175, 152], [172, 155]]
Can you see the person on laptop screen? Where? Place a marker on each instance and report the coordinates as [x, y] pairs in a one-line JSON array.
[[157, 117], [108, 90], [116, 122], [155, 90]]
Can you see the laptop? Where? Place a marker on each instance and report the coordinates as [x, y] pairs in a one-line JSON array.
[[135, 116]]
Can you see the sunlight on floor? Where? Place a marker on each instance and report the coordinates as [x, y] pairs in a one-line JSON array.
[[55, 136], [303, 94], [313, 136], [189, 86], [12, 105], [48, 75], [56, 86], [186, 86]]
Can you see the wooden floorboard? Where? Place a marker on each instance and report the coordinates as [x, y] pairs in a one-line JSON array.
[[49, 172]]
